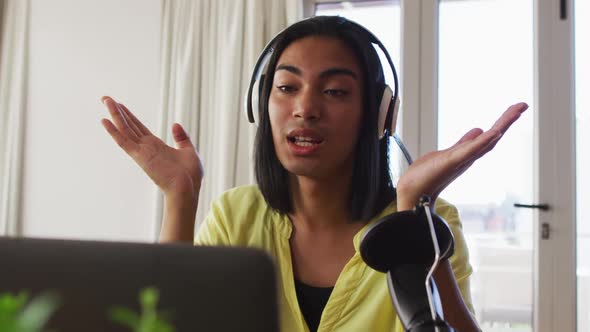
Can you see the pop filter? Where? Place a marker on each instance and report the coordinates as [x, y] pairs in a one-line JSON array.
[[404, 238]]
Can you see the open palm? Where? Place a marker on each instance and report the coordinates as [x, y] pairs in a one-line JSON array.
[[174, 170], [433, 172]]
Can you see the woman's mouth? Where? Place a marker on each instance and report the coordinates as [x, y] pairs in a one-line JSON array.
[[304, 141], [304, 145]]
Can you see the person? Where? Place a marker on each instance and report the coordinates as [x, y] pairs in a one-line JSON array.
[[322, 178]]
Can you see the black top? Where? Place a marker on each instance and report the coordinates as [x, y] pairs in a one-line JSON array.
[[312, 301]]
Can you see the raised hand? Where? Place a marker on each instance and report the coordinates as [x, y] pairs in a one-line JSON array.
[[176, 171], [434, 171]]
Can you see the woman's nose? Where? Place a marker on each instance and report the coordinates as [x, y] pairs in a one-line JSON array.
[[307, 106]]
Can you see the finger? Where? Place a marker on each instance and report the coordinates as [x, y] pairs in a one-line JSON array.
[[474, 144], [133, 119], [180, 137], [501, 126], [491, 145], [130, 122], [482, 144], [463, 141], [470, 135], [119, 119], [122, 140], [477, 153], [509, 117], [472, 149]]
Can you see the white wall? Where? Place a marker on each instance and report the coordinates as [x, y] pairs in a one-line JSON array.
[[77, 182]]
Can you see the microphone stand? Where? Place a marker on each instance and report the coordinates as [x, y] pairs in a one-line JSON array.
[[408, 246]]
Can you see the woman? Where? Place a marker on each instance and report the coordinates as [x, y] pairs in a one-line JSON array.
[[322, 179]]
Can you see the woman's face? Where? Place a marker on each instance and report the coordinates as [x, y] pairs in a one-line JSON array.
[[315, 107]]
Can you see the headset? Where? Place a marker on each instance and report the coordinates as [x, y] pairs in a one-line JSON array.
[[389, 99]]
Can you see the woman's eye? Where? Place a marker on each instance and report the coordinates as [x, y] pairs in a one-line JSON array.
[[336, 92], [286, 88]]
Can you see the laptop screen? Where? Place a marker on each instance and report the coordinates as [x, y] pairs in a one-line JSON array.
[[200, 288]]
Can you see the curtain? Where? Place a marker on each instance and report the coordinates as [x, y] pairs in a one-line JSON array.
[[209, 48], [13, 71]]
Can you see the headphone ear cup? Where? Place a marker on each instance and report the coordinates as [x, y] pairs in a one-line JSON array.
[[255, 106], [255, 102], [393, 123], [384, 106]]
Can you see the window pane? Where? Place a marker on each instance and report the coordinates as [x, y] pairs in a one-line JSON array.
[[382, 18], [485, 65], [582, 26]]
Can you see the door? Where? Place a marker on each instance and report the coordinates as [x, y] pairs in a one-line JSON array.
[[485, 64]]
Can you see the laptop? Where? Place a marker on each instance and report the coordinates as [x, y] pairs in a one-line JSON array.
[[200, 288]]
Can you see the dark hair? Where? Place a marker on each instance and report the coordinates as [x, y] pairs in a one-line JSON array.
[[372, 188]]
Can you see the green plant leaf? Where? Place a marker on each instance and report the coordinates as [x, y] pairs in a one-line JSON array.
[[12, 303], [8, 326], [18, 316], [149, 320], [148, 298], [37, 313], [125, 317], [163, 326]]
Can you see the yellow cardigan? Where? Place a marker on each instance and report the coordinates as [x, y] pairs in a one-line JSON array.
[[360, 300]]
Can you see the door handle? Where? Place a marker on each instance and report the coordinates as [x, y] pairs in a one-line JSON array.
[[545, 229], [544, 207]]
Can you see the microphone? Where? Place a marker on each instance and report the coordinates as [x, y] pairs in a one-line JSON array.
[[408, 246]]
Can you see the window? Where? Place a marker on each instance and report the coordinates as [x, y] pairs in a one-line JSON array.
[[465, 62]]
